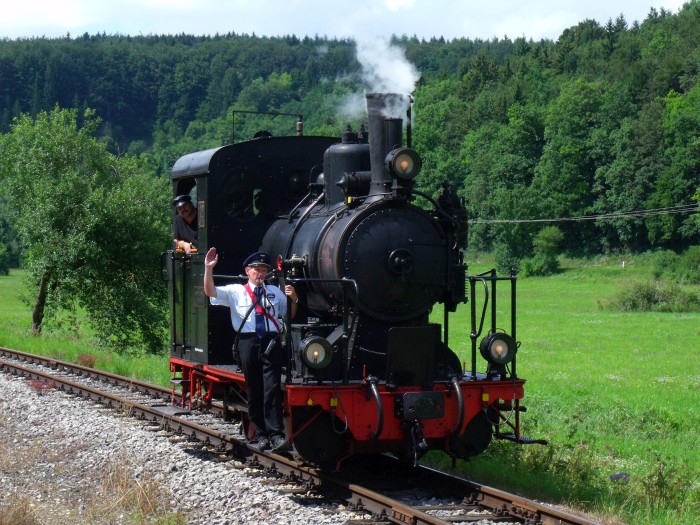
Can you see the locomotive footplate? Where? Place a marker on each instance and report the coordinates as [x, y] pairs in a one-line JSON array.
[[419, 405], [522, 439]]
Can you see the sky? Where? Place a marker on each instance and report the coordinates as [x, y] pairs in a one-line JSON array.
[[357, 19]]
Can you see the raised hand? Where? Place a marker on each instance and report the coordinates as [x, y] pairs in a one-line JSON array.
[[212, 258]]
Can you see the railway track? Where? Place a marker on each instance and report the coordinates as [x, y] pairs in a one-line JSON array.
[[388, 491]]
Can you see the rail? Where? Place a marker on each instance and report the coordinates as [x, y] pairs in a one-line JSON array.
[[354, 487]]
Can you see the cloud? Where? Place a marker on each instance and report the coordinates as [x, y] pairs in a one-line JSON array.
[[395, 5], [450, 19]]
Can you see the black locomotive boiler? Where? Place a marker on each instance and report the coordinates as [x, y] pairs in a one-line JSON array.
[[367, 371]]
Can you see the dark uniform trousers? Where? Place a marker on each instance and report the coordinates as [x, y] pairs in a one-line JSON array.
[[263, 375]]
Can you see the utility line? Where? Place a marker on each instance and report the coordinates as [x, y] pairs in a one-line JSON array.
[[671, 210]]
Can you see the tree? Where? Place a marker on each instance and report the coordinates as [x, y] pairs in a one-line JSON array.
[[564, 176], [678, 181], [91, 227], [499, 162], [625, 183], [4, 260], [546, 244], [9, 246], [440, 127]]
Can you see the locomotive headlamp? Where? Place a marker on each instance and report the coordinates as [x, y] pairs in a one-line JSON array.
[[498, 348], [404, 163], [316, 352]]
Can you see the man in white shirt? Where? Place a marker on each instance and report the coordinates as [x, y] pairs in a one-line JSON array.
[[256, 310]]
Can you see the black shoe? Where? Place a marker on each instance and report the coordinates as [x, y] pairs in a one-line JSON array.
[[278, 442], [259, 444]]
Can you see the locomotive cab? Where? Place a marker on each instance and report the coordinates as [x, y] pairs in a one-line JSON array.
[[239, 190]]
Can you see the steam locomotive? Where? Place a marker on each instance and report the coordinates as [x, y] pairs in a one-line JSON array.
[[366, 371]]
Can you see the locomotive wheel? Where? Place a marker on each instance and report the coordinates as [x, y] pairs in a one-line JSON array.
[[319, 443], [475, 439]]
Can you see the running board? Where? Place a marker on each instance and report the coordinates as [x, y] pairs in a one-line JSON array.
[[522, 440]]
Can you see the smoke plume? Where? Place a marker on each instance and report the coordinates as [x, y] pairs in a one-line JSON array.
[[385, 69]]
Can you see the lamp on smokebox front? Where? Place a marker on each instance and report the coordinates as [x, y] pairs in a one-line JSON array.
[[498, 348], [404, 163], [316, 352]]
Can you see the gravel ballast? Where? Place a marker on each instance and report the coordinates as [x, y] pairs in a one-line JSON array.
[[69, 461]]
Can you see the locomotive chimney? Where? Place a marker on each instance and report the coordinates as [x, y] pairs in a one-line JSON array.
[[385, 133]]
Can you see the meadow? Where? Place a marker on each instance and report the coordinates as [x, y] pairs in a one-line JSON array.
[[616, 394]]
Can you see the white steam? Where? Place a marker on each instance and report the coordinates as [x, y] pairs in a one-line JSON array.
[[354, 106], [385, 69]]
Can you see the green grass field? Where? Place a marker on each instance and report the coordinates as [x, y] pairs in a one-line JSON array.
[[617, 395], [15, 324]]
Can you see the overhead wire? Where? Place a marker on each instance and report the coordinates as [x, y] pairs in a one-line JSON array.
[[670, 210]]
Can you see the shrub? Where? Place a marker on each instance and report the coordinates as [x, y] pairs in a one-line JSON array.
[[506, 260], [684, 268], [546, 244], [664, 263], [540, 266], [688, 267], [654, 296]]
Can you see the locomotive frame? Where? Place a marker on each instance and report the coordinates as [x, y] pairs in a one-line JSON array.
[[366, 370]]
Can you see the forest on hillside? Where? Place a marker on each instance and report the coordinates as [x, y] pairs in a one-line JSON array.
[[596, 134]]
